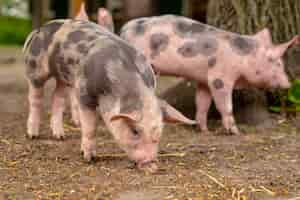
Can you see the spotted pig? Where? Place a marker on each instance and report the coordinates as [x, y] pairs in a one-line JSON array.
[[103, 72], [217, 60]]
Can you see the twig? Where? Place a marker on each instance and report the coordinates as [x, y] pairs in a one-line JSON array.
[[120, 155], [5, 141], [164, 187], [71, 128], [213, 179], [268, 191]]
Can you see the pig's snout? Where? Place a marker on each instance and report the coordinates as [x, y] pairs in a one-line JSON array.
[[144, 156], [285, 84]]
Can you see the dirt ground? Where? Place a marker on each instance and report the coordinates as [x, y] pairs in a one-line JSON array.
[[260, 164]]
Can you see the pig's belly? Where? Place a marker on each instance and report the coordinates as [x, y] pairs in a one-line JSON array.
[[192, 69]]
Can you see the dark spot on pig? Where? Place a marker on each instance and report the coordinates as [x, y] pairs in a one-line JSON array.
[[91, 38], [38, 83], [207, 46], [36, 46], [185, 28], [71, 61], [145, 70], [55, 59], [218, 84], [204, 46], [158, 43], [140, 27], [181, 27], [98, 82], [242, 46], [188, 49], [149, 77], [86, 99], [131, 102], [76, 36], [49, 30], [257, 72], [32, 64], [212, 62], [67, 44], [82, 48], [197, 28]]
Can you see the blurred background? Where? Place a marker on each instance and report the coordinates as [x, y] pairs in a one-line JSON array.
[[18, 17]]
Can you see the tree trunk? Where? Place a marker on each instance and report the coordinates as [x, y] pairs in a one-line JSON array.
[[246, 17]]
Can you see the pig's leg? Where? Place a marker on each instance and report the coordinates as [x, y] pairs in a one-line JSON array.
[[57, 110], [88, 126], [74, 107], [222, 95], [35, 98], [203, 102]]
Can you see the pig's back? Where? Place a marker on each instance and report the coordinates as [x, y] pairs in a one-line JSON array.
[[179, 46]]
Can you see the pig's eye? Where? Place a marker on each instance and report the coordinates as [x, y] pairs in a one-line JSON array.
[[135, 132], [278, 64]]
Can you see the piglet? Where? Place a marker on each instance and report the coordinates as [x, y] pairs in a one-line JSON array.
[[106, 75], [219, 61]]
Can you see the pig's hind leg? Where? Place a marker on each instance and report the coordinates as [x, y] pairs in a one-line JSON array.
[[57, 110], [35, 97], [203, 102]]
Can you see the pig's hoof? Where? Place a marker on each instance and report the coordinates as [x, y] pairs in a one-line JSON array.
[[32, 137], [59, 137], [58, 134], [76, 122], [235, 131], [148, 167], [89, 156], [32, 132]]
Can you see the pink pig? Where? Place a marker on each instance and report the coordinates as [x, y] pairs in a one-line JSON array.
[[219, 61]]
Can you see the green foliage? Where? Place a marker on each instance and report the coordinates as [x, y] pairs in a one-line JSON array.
[[290, 100], [14, 30]]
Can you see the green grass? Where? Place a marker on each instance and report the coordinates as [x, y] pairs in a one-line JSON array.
[[13, 31]]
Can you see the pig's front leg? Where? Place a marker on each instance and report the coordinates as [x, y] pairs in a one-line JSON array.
[[35, 98], [74, 107], [88, 126], [57, 109], [203, 102], [221, 90]]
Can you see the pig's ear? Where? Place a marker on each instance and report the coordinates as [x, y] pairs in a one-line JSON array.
[[171, 115], [278, 51], [82, 15], [132, 117], [104, 18], [264, 36]]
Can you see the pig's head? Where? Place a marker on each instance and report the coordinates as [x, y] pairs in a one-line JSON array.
[[267, 66], [139, 129], [105, 19]]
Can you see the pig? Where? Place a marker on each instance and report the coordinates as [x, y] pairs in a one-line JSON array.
[[108, 77], [219, 61]]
